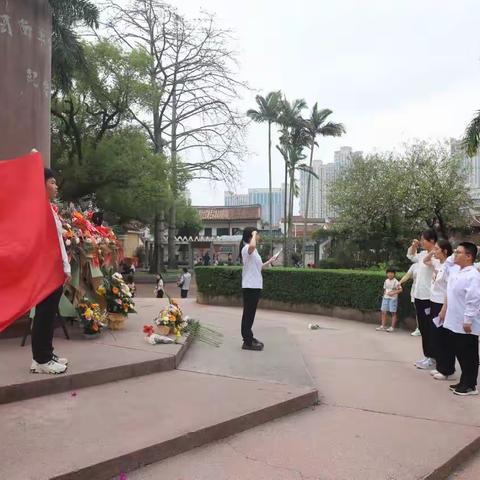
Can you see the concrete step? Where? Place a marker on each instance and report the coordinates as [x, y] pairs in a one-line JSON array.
[[101, 431], [113, 356]]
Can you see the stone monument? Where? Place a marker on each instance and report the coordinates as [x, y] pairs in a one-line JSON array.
[[25, 77]]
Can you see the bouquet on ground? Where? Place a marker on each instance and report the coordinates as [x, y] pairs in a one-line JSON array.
[[154, 338], [91, 317], [171, 320], [117, 295]]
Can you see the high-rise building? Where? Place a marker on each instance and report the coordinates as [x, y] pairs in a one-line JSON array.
[[235, 199], [259, 196], [319, 205]]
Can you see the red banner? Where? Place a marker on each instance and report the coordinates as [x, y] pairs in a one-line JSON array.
[[30, 258]]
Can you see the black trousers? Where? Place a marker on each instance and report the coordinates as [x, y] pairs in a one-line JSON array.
[[425, 326], [440, 346], [183, 293], [44, 325], [251, 296], [465, 348]]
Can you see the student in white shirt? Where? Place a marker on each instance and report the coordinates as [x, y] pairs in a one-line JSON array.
[[184, 282], [252, 284], [391, 289], [421, 294], [412, 275], [44, 358], [460, 316], [444, 356]]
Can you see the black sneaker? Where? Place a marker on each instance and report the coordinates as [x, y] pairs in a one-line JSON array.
[[454, 387], [258, 342], [460, 390], [252, 346]]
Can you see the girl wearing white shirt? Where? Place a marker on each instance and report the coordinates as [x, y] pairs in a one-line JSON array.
[[421, 294], [444, 356], [252, 284]]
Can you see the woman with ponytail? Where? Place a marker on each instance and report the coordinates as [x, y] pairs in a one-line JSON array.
[[252, 283]]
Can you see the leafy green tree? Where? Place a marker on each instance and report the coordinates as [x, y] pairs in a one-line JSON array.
[[384, 200], [471, 139], [67, 50]]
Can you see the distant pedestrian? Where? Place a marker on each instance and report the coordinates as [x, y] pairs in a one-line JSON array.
[[391, 289], [184, 282], [131, 284], [159, 287], [206, 259]]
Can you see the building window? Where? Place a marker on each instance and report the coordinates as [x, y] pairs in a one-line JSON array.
[[222, 231], [208, 232]]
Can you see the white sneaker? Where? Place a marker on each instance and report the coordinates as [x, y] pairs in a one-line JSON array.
[[441, 376], [419, 362], [49, 367], [433, 372], [60, 360], [426, 364], [390, 329], [416, 333], [381, 328]]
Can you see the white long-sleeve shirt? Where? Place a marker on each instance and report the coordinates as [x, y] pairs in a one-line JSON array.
[[66, 264], [441, 272], [423, 285], [463, 300]]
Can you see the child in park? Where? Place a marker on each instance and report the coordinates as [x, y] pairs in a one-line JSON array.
[[391, 289], [131, 285]]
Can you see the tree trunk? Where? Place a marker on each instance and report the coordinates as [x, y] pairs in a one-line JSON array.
[[285, 246], [172, 220], [270, 216], [172, 217], [305, 213], [290, 204]]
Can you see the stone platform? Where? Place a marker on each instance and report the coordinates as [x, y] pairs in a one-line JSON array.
[[124, 403]]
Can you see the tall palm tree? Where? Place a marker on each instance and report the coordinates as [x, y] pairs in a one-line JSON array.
[[67, 49], [268, 111], [291, 134], [471, 139], [315, 126]]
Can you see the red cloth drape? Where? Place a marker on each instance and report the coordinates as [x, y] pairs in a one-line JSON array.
[[30, 259]]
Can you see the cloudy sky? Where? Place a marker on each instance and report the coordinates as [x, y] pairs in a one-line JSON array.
[[391, 70]]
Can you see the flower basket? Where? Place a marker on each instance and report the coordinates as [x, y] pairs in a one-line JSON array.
[[163, 330], [116, 321]]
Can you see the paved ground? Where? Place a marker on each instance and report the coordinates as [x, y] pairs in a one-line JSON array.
[[380, 418]]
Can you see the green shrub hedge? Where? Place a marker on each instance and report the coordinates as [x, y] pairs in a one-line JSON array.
[[358, 289]]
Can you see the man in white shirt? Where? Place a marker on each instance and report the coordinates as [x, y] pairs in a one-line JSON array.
[[44, 358], [184, 282], [461, 317], [421, 294]]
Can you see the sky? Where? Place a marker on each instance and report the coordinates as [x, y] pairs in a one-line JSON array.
[[391, 70]]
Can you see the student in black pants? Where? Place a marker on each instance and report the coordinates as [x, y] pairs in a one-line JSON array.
[[421, 294], [461, 317], [443, 355], [44, 359], [252, 284]]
